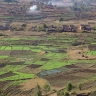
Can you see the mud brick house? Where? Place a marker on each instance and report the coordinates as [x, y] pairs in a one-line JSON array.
[[66, 28], [69, 28], [78, 28], [86, 27], [92, 47], [49, 6], [52, 29], [72, 28], [3, 27]]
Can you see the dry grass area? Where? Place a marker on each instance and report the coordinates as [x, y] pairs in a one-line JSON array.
[[32, 84]]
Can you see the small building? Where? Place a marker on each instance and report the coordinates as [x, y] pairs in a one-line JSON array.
[[51, 29], [3, 27], [69, 28], [66, 28], [86, 27]]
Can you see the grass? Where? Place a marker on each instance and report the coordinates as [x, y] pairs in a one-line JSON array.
[[4, 57], [14, 39], [7, 48], [36, 50], [14, 69], [9, 68], [93, 43], [17, 47], [2, 47], [54, 59], [91, 53], [18, 76], [27, 48], [56, 64]]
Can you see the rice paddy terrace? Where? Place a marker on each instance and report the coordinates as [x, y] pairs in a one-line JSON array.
[[61, 57]]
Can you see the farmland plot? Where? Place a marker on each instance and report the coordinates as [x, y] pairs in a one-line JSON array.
[[49, 58]]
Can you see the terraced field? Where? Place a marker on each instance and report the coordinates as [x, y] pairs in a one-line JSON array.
[[51, 57]]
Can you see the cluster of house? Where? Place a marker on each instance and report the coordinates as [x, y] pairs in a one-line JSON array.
[[73, 28], [63, 28], [5, 26], [2, 27], [70, 28]]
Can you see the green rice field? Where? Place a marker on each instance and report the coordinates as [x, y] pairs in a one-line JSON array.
[[46, 54]]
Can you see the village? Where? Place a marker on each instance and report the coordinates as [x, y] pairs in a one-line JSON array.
[[51, 28], [21, 13]]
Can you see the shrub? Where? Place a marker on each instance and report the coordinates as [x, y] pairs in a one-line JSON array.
[[58, 93], [66, 94], [61, 19], [61, 93], [46, 88], [37, 91], [24, 25], [79, 86], [69, 87]]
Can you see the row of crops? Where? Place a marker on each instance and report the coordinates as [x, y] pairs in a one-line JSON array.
[[55, 56]]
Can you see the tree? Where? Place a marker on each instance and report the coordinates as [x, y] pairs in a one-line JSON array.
[[75, 4], [24, 25], [37, 91], [61, 19], [44, 26], [46, 88], [79, 86], [47, 32], [58, 93], [66, 94], [21, 8], [61, 93], [94, 28], [69, 87]]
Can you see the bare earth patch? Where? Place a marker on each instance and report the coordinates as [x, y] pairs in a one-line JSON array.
[[32, 84], [79, 55]]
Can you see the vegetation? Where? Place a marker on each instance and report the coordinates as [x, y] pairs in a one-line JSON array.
[[37, 91], [79, 86], [46, 89], [69, 87], [52, 53], [24, 25], [66, 94], [94, 28], [3, 92], [61, 19]]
